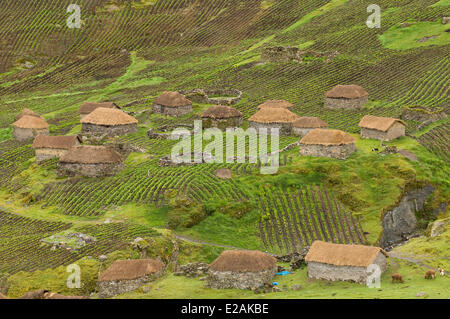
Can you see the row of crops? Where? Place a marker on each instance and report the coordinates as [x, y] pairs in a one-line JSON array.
[[21, 248], [437, 141], [293, 219]]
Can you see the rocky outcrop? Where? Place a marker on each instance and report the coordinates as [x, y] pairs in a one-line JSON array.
[[400, 223]]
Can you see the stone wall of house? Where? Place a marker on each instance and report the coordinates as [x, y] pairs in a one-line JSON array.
[[239, 280], [342, 103], [88, 170], [172, 111], [343, 273], [301, 131], [222, 124], [285, 128], [333, 151], [47, 153], [397, 130], [373, 134], [113, 288], [22, 134], [115, 130]]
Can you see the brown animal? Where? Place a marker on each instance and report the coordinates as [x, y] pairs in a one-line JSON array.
[[430, 274], [397, 278]]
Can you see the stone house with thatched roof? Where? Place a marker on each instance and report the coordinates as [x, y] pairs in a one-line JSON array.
[[381, 128], [46, 146], [28, 112], [90, 161], [339, 262], [327, 143], [29, 127], [346, 97], [306, 124], [277, 103], [222, 117], [108, 121], [241, 269], [128, 275], [172, 104], [268, 117], [88, 107]]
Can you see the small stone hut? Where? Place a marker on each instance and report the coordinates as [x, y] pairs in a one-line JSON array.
[[46, 146], [24, 112], [306, 124], [88, 107], [128, 275], [29, 127], [277, 103], [327, 143], [339, 262], [108, 121], [381, 128], [222, 117], [268, 117], [90, 161], [241, 269], [173, 104], [346, 97]]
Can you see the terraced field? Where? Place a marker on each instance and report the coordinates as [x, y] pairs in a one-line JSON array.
[[294, 219], [129, 52]]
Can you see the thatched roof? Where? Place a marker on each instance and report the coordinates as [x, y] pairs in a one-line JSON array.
[[343, 255], [378, 123], [88, 107], [37, 294], [320, 136], [351, 91], [88, 154], [131, 269], [310, 122], [52, 295], [276, 103], [273, 115], [24, 112], [45, 294], [2, 296], [243, 261], [221, 112], [108, 117], [56, 142], [28, 121], [172, 99]]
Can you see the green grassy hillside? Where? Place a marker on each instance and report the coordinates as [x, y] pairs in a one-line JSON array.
[[131, 51]]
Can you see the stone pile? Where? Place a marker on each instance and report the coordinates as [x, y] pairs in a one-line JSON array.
[[192, 270]]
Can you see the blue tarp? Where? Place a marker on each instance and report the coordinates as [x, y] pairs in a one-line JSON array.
[[284, 272], [275, 283]]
